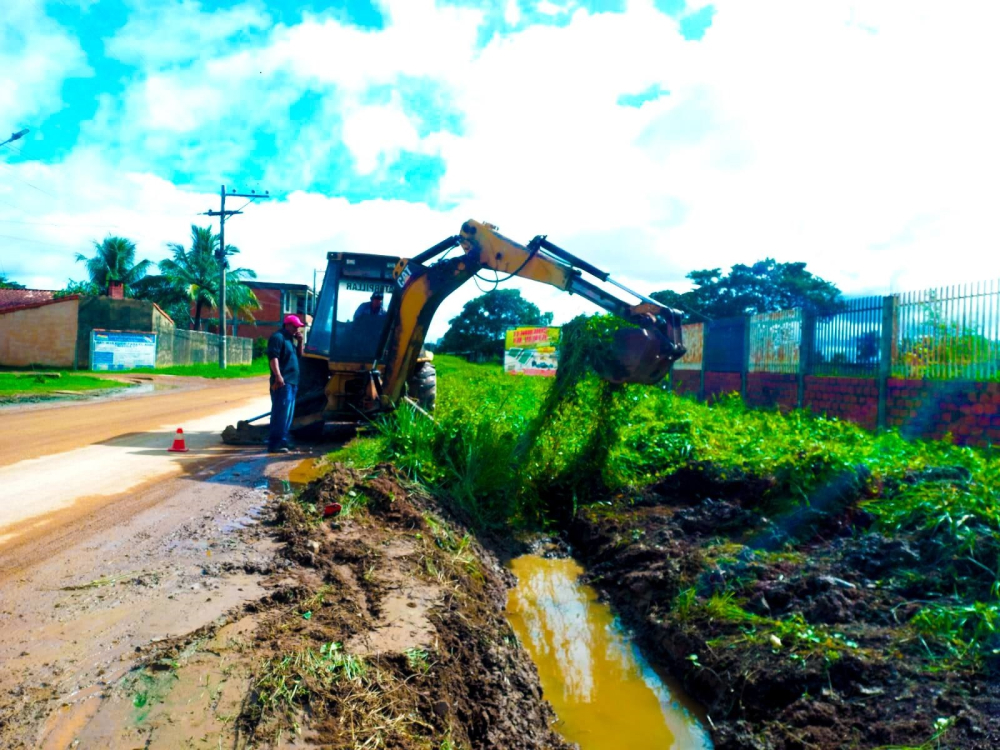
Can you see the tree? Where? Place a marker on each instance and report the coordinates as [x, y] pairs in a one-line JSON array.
[[172, 300], [82, 288], [481, 326], [114, 261], [6, 283], [194, 273], [766, 286]]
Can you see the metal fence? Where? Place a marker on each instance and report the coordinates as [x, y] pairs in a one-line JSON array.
[[725, 345], [775, 341], [952, 332], [694, 336], [948, 333], [849, 341]]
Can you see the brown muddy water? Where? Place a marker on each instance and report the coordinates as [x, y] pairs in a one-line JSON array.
[[605, 693]]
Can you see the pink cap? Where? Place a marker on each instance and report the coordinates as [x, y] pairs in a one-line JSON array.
[[295, 320]]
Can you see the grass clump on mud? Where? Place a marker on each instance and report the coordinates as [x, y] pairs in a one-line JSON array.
[[394, 636], [812, 583]]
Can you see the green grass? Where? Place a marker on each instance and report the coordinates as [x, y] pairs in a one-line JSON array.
[[479, 452], [281, 684], [38, 384], [211, 370], [509, 456], [18, 383]]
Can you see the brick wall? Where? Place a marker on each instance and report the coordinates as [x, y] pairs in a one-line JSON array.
[[267, 318], [40, 334], [686, 381], [927, 409], [768, 389], [720, 383], [969, 410], [851, 399]]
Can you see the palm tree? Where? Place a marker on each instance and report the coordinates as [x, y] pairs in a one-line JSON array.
[[194, 272], [115, 262]]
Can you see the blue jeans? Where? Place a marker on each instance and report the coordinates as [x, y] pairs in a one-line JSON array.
[[282, 411]]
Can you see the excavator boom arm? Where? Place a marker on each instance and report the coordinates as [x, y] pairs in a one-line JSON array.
[[643, 353]]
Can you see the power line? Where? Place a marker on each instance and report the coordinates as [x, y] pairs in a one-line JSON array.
[[12, 205], [58, 223], [34, 242], [29, 184]]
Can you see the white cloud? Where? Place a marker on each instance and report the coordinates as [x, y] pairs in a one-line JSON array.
[[858, 137], [36, 56], [376, 131], [172, 33]]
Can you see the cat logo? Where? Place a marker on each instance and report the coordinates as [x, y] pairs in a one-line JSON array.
[[404, 276]]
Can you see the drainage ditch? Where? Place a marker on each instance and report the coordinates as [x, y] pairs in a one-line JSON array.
[[605, 693]]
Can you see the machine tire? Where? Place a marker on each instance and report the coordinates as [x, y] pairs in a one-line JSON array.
[[422, 386]]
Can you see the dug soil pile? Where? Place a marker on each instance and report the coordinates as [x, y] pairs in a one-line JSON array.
[[794, 632], [386, 631]]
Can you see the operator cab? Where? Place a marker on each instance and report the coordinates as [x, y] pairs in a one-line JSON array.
[[350, 280]]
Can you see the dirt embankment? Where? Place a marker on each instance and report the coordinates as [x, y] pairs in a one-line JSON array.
[[794, 633], [386, 632]]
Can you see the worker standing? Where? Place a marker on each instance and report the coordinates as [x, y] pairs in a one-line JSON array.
[[283, 351]]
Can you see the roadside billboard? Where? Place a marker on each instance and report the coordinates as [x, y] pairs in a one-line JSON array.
[[531, 350], [122, 350]]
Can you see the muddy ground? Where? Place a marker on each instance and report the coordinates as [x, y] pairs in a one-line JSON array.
[[793, 634], [382, 627]]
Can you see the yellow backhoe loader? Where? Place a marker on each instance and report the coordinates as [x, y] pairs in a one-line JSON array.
[[355, 367]]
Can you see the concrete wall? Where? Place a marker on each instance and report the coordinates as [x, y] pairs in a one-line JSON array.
[[44, 335], [106, 314], [173, 346], [183, 347]]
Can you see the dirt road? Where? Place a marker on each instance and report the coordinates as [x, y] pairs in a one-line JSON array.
[[43, 429], [109, 543], [58, 463]]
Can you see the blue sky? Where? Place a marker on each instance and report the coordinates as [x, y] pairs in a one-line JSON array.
[[113, 34], [651, 136]]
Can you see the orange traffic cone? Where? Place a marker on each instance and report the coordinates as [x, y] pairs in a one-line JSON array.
[[178, 446]]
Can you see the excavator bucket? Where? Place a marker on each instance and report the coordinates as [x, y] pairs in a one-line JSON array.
[[641, 355]]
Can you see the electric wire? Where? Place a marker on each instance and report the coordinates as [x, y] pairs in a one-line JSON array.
[[29, 184]]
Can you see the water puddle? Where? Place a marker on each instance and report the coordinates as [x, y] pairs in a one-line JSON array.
[[605, 693], [306, 471]]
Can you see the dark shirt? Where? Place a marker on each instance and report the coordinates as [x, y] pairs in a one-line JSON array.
[[365, 308], [284, 348]]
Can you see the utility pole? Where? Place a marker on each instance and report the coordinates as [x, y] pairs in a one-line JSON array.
[[220, 254]]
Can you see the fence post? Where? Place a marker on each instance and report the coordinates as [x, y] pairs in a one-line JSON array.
[[807, 339], [745, 368], [704, 361], [885, 358]]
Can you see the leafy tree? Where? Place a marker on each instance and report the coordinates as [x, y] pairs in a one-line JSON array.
[[83, 288], [765, 286], [194, 273], [6, 283], [114, 260], [172, 300], [481, 326]]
